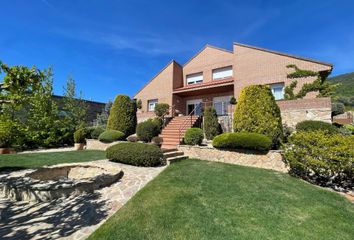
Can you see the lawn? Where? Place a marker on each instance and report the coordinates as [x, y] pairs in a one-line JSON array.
[[206, 200], [35, 160]]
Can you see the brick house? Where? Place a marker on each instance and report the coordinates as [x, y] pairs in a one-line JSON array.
[[214, 75]]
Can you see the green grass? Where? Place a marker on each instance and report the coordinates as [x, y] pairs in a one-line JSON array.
[[35, 160], [204, 200]]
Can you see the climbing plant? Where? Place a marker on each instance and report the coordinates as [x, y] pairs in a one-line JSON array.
[[320, 85]]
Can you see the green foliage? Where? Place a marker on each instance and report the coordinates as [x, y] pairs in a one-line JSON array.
[[316, 156], [137, 154], [193, 136], [148, 129], [310, 125], [109, 136], [122, 116], [211, 123], [139, 104], [97, 132], [132, 138], [242, 140], [161, 110], [80, 135], [157, 140], [102, 118], [349, 127], [321, 84], [344, 91], [233, 100], [337, 108], [7, 133], [257, 111]]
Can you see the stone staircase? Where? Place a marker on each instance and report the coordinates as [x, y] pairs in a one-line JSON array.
[[173, 155], [170, 134]]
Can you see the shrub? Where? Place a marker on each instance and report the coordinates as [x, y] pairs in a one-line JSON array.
[[310, 125], [337, 108], [256, 111], [147, 130], [122, 115], [161, 109], [137, 154], [212, 127], [97, 132], [6, 133], [322, 158], [193, 136], [243, 140], [109, 136], [349, 128], [132, 138], [157, 141], [80, 135]]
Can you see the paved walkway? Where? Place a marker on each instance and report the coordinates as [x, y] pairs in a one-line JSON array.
[[74, 217]]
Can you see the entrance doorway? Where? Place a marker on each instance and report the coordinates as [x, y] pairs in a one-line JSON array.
[[194, 104]]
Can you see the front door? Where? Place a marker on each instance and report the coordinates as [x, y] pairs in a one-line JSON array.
[[194, 106]]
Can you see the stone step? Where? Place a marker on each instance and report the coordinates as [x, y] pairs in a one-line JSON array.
[[173, 154], [167, 150], [175, 159], [171, 146]]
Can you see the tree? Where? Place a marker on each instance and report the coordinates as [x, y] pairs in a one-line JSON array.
[[122, 116], [102, 118], [320, 85], [257, 111], [161, 110], [211, 124]]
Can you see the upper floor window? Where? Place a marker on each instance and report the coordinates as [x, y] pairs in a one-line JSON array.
[[151, 104], [222, 73], [278, 90], [194, 78]]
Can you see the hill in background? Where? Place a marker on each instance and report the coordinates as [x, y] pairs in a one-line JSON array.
[[345, 91]]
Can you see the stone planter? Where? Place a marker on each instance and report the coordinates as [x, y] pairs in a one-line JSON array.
[[79, 146], [7, 150]]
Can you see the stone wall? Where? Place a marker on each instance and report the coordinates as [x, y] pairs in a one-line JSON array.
[[271, 160], [94, 144]]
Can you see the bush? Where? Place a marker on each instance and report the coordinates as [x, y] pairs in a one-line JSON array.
[[80, 135], [122, 115], [310, 125], [349, 128], [321, 158], [193, 136], [211, 123], [132, 138], [97, 132], [243, 140], [137, 154], [7, 133], [157, 141], [109, 136], [257, 111], [161, 109], [147, 130], [337, 108]]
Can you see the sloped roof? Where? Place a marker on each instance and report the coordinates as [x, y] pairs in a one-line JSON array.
[[201, 50]]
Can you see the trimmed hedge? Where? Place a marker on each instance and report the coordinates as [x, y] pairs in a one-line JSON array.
[[134, 153], [211, 124], [321, 158], [257, 112], [243, 140], [193, 136], [147, 130], [310, 125], [122, 115], [96, 132], [109, 136], [80, 135]]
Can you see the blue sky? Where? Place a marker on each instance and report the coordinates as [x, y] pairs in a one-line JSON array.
[[112, 47]]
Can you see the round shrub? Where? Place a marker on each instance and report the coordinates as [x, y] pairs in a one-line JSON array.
[[321, 158], [133, 138], [109, 136], [310, 125], [211, 123], [193, 136], [161, 109], [80, 135], [122, 116], [97, 132], [257, 112], [243, 140], [147, 130], [134, 153]]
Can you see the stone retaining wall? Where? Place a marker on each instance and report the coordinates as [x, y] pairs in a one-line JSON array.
[[271, 160], [94, 144]]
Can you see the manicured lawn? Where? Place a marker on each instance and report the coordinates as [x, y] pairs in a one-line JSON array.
[[203, 200], [35, 160]]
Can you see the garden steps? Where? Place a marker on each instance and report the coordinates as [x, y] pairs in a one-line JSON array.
[[171, 134], [173, 155]]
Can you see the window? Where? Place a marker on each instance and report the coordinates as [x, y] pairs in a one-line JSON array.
[[151, 105], [221, 105], [195, 78], [222, 73], [278, 90]]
